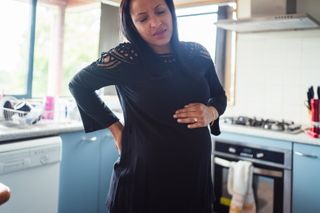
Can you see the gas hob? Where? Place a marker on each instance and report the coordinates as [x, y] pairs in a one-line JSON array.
[[262, 123]]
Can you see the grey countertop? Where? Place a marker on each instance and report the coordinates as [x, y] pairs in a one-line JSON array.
[[43, 129], [301, 137]]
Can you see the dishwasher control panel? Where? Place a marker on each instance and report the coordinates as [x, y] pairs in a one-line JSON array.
[[26, 157]]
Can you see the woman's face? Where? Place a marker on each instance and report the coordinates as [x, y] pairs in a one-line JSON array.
[[153, 21]]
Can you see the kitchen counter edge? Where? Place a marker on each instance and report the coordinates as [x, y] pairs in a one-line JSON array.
[[59, 128], [40, 131], [301, 137]]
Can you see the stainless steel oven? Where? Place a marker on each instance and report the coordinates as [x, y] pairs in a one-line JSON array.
[[271, 175]]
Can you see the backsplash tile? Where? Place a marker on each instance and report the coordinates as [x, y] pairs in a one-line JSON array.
[[274, 71]]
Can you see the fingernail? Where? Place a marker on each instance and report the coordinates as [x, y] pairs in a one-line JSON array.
[[179, 120], [175, 116]]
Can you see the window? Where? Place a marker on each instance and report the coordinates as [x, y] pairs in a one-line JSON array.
[[197, 24], [81, 40], [47, 15], [33, 40], [76, 29], [15, 22]]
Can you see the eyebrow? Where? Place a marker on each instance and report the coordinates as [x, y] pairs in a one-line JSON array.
[[143, 13]]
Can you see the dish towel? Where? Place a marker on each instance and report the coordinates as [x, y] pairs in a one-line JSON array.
[[240, 187]]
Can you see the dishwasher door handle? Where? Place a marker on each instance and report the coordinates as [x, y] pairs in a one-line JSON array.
[[259, 171], [306, 155]]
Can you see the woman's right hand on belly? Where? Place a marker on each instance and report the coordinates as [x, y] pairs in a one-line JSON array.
[[116, 130]]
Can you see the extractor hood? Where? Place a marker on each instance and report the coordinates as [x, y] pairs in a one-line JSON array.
[[262, 15]]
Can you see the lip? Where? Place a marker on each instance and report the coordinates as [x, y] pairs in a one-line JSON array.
[[159, 33]]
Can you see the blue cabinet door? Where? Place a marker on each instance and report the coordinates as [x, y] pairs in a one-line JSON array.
[[108, 156], [306, 179], [79, 174]]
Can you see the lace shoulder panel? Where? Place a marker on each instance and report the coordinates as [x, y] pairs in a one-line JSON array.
[[195, 49], [123, 53]]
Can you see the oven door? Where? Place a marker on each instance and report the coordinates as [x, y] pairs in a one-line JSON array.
[[268, 187]]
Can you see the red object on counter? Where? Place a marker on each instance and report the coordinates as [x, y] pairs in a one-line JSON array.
[[4, 193], [315, 129], [312, 133], [315, 110]]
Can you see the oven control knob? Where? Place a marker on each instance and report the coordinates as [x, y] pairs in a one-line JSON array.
[[232, 150], [260, 155]]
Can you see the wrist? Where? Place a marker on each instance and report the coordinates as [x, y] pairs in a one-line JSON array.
[[214, 114]]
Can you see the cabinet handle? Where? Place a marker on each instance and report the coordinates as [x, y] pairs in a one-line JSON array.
[[306, 155], [88, 139]]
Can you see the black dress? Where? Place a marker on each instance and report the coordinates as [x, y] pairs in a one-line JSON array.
[[164, 167]]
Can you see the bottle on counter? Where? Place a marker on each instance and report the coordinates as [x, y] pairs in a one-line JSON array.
[[49, 106]]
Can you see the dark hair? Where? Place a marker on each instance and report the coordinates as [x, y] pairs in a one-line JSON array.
[[132, 35], [148, 57]]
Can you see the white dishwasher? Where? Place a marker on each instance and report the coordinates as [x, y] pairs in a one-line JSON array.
[[31, 169]]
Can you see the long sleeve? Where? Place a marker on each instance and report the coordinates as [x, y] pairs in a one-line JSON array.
[[109, 69], [218, 97]]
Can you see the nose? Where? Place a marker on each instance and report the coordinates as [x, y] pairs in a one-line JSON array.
[[154, 22]]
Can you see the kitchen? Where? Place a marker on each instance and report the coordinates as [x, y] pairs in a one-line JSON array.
[[268, 76]]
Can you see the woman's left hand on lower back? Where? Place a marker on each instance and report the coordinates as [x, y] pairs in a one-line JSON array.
[[196, 115]]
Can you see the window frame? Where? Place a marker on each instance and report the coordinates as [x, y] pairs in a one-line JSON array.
[[29, 71], [28, 93]]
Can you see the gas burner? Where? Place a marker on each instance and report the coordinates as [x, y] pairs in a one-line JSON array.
[[268, 124]]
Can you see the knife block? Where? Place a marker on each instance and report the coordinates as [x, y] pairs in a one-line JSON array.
[[314, 131]]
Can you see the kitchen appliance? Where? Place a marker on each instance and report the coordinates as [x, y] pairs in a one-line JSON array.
[[268, 15], [271, 174], [31, 169], [266, 124]]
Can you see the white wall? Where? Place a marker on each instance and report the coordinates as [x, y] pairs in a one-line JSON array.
[[274, 71]]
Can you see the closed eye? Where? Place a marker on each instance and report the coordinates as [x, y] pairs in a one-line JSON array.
[[143, 19], [160, 12]]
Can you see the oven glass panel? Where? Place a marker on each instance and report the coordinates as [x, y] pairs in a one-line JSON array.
[[226, 197], [264, 191], [267, 191]]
